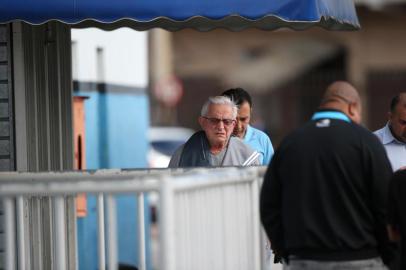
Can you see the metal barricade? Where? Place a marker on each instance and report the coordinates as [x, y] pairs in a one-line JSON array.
[[208, 218]]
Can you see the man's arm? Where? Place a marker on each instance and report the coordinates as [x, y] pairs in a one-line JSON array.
[[380, 174], [393, 217], [270, 208]]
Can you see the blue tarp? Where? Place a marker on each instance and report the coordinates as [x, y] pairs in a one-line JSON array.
[[175, 14]]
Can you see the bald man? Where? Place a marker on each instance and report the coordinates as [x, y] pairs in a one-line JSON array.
[[322, 202]]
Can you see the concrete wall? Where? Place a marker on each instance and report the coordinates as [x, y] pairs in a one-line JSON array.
[[115, 57]]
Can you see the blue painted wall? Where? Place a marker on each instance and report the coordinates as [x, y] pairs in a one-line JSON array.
[[116, 130]]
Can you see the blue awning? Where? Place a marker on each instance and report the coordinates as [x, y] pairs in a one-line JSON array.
[[178, 14]]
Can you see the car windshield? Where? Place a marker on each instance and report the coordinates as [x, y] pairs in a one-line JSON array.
[[166, 147]]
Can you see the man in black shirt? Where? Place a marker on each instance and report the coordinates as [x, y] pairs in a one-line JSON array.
[[397, 213], [323, 200]]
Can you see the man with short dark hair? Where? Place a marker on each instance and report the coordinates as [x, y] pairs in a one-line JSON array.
[[214, 145], [323, 200], [255, 138], [393, 134]]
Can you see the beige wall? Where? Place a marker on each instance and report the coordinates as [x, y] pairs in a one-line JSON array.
[[379, 43], [222, 55]]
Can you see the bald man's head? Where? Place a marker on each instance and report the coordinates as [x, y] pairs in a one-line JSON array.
[[342, 96]]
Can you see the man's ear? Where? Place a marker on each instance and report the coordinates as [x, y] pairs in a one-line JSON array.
[[354, 112], [352, 109], [389, 115]]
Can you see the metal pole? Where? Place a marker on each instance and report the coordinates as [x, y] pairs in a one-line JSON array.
[[60, 233], [111, 233], [167, 235], [141, 233], [20, 233], [9, 215], [100, 232]]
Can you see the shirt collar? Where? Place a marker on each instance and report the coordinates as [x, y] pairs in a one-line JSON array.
[[331, 114], [248, 134], [388, 136]]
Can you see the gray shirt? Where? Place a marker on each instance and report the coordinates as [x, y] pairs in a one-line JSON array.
[[217, 160], [235, 154], [395, 149]]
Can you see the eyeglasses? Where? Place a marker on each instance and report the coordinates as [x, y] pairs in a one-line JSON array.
[[216, 121]]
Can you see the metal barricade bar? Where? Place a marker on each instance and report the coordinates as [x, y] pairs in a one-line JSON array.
[[20, 233], [100, 232], [112, 262], [9, 230], [60, 233], [141, 233], [201, 202]]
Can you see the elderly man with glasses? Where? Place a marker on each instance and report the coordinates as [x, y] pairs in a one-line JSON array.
[[213, 145]]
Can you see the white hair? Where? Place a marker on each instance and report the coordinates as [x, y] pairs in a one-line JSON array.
[[219, 100]]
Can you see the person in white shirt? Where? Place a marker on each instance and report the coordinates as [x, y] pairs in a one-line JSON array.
[[393, 134]]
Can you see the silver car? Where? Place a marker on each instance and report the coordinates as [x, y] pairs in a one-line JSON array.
[[163, 143]]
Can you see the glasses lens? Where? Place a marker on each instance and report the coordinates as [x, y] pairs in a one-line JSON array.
[[216, 121], [227, 122]]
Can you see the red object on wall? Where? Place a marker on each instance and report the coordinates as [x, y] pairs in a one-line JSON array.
[[80, 149], [169, 90]]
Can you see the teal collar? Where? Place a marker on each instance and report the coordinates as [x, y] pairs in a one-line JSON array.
[[331, 115], [248, 134]]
